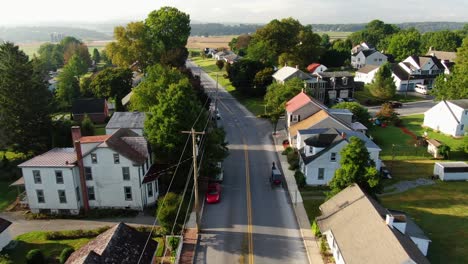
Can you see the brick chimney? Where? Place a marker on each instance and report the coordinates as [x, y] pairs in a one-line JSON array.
[[84, 190], [343, 135], [76, 136], [76, 133]]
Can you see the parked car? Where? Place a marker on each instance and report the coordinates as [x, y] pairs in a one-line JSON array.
[[339, 100], [213, 194], [395, 104], [420, 88], [349, 99], [219, 177]]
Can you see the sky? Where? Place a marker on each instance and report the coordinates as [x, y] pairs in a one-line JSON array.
[[36, 12]]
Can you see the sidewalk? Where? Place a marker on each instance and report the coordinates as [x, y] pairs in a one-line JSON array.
[[311, 245]]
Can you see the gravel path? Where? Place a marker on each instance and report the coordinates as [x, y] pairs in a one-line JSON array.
[[406, 185]]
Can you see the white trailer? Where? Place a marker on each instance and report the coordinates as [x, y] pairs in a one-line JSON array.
[[451, 171]]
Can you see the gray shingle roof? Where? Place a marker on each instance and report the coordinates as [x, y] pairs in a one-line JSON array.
[[120, 244], [130, 120], [361, 234]]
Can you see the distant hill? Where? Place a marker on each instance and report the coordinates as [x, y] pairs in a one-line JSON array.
[[40, 34], [420, 26], [216, 29]]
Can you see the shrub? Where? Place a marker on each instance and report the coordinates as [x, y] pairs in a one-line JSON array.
[[300, 179], [5, 259], [444, 151], [87, 126], [66, 252], [74, 234], [287, 151], [323, 245], [157, 231], [316, 229], [220, 64], [293, 160], [35, 256]]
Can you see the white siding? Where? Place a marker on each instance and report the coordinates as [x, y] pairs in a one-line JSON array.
[[108, 180], [5, 238], [365, 77], [376, 58], [333, 245], [440, 118], [50, 189]]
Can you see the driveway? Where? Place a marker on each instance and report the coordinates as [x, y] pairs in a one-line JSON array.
[[20, 225], [408, 108]]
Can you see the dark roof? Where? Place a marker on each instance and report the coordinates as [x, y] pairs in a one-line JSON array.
[[399, 72], [127, 120], [120, 244], [129, 144], [334, 74], [322, 140], [4, 224], [463, 103], [368, 52], [88, 105]]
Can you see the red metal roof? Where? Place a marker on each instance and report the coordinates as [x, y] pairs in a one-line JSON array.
[[312, 67], [297, 102], [94, 139]]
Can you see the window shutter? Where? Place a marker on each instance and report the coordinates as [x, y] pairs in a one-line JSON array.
[[298, 118]]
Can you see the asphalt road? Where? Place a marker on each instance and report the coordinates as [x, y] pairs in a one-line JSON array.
[[408, 108], [253, 223]]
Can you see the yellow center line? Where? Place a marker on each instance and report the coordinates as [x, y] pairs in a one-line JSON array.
[[247, 189]]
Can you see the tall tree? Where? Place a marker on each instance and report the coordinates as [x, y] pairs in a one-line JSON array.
[[24, 103], [278, 95], [148, 92], [383, 85], [239, 44], [112, 83], [404, 44], [374, 33], [356, 166], [455, 85], [169, 29], [51, 55], [96, 56], [131, 45], [444, 40], [176, 111], [68, 87], [242, 75]]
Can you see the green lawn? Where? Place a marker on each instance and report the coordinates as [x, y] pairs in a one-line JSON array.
[[365, 94], [311, 200], [37, 240], [312, 208], [100, 129], [414, 122], [7, 194], [441, 210], [253, 104]]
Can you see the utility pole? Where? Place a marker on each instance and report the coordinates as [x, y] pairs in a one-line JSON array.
[[195, 174]]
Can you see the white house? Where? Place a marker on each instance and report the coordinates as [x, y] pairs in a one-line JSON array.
[[320, 154], [108, 171], [134, 121], [367, 57], [366, 74], [316, 68], [451, 171], [287, 73], [449, 117], [5, 236], [359, 230]]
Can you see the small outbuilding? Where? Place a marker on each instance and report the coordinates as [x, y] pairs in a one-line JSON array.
[[451, 171], [433, 147]]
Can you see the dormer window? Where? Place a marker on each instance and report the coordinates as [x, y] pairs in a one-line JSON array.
[[295, 118]]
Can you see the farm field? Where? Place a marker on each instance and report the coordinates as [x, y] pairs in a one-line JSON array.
[[31, 48]]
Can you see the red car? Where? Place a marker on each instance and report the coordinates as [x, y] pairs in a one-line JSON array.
[[213, 194]]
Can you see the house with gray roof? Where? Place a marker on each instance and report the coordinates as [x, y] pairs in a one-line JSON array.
[[367, 56], [359, 230], [120, 244], [286, 73], [449, 117], [106, 171], [320, 152], [134, 121]]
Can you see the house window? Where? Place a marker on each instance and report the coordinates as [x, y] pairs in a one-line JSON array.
[[380, 59], [78, 194], [62, 196], [126, 173], [91, 195], [88, 173], [345, 81], [359, 59], [333, 156], [311, 150], [93, 158], [150, 189], [321, 173], [58, 177], [375, 59], [295, 118], [128, 193], [37, 177], [116, 158], [40, 196], [462, 127], [466, 112]]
